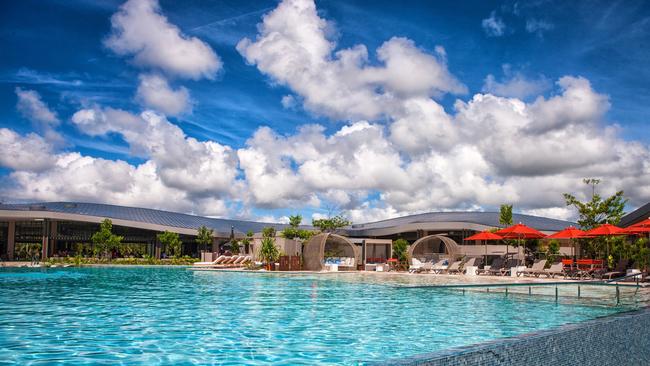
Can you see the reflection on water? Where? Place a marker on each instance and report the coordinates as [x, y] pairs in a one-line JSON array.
[[172, 315]]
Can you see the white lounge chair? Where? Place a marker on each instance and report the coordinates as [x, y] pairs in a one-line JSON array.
[[216, 261], [440, 266], [416, 265], [535, 270]]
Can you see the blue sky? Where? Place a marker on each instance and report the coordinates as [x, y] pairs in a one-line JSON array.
[[58, 49]]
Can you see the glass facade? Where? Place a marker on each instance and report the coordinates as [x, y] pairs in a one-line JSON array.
[[29, 239], [4, 239]]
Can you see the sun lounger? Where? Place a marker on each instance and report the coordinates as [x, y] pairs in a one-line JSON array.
[[440, 266], [497, 263], [510, 263], [619, 271], [556, 269], [470, 262], [415, 266], [216, 261], [535, 270], [454, 267]]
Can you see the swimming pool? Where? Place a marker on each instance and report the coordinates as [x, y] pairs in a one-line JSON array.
[[149, 315]]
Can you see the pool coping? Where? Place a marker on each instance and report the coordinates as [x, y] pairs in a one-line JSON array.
[[446, 356]]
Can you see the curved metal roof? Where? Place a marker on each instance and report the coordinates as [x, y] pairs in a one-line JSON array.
[[481, 218], [145, 215], [180, 220]]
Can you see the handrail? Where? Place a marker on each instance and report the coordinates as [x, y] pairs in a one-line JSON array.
[[522, 284], [635, 275]]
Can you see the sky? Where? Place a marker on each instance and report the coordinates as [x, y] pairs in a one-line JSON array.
[[264, 109]]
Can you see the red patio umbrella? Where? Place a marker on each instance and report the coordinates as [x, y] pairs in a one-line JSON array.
[[606, 230], [570, 233], [485, 235], [639, 228], [519, 232]]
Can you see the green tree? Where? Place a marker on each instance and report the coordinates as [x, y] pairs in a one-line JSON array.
[[269, 253], [235, 246], [552, 251], [400, 251], [295, 220], [246, 242], [598, 210], [331, 224], [104, 239], [595, 212], [505, 215], [268, 232], [171, 242], [204, 236], [294, 232]]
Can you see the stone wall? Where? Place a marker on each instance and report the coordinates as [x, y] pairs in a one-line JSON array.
[[617, 340]]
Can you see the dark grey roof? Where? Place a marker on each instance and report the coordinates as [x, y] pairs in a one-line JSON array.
[[186, 221], [635, 216], [481, 218], [146, 215]]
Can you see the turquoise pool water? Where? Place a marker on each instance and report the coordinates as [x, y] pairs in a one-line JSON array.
[[175, 316]]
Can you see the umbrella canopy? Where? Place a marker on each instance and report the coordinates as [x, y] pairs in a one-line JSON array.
[[520, 231], [485, 235], [605, 230], [568, 233]]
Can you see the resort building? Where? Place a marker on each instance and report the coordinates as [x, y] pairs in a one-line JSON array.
[[57, 228]]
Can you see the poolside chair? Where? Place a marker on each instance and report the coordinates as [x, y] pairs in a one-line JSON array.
[[426, 267], [454, 267], [239, 260], [556, 269], [535, 270], [619, 271], [440, 266], [507, 267], [470, 262], [497, 263], [216, 261], [415, 266]]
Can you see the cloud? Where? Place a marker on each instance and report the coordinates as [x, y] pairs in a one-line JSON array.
[[140, 30], [32, 107], [493, 26], [75, 177], [538, 26], [515, 84], [28, 153], [200, 168], [155, 92], [294, 49]]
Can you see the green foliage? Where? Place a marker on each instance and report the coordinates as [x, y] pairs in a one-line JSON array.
[[641, 254], [295, 220], [269, 253], [595, 212], [331, 224], [147, 260], [598, 210], [268, 232], [104, 240], [505, 215], [552, 251], [400, 247], [171, 242], [235, 246], [204, 236]]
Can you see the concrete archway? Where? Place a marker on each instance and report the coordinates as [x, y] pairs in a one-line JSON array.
[[434, 247]]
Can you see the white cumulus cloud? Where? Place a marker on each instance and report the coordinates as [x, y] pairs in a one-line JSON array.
[[155, 92], [140, 30]]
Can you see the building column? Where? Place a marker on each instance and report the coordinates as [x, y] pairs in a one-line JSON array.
[[157, 249], [52, 237], [11, 240]]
